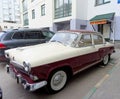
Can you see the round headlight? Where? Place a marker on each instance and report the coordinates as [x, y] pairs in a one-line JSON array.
[[6, 55], [26, 66]]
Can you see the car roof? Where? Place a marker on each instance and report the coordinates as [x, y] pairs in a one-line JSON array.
[[9, 33], [80, 31], [27, 29]]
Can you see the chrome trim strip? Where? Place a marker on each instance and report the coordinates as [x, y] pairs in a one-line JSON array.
[[17, 64], [86, 67], [19, 67]]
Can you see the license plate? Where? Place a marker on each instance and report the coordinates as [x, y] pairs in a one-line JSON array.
[[12, 73]]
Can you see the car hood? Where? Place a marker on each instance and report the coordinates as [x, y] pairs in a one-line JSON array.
[[46, 53], [41, 54]]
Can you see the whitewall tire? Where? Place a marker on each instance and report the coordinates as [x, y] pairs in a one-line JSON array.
[[106, 59], [57, 81]]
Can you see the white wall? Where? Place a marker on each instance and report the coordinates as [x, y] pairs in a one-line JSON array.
[[9, 26], [79, 13], [40, 21], [102, 9], [117, 27], [81, 9]]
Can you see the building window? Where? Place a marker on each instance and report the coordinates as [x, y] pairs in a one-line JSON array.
[[83, 26], [24, 4], [25, 19], [33, 14], [5, 27], [100, 2], [63, 8], [43, 10]]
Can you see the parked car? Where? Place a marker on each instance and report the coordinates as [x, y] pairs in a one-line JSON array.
[[0, 93], [53, 63], [22, 37]]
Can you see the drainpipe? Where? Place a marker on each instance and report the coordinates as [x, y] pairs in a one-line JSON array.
[[113, 31], [112, 28], [93, 28]]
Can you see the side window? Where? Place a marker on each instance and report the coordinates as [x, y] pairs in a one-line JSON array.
[[47, 34], [86, 40], [18, 35], [98, 39], [32, 35]]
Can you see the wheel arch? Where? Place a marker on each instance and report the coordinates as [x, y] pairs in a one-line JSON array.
[[66, 68]]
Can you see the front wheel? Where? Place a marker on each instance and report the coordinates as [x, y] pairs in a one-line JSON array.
[[57, 81], [106, 59]]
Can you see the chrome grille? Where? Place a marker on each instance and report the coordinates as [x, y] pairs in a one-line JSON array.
[[19, 67]]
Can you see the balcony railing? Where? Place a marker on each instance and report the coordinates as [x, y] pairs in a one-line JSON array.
[[64, 11]]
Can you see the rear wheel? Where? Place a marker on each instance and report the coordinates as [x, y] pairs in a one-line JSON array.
[[57, 81], [106, 60]]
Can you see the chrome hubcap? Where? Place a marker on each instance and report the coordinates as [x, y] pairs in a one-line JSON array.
[[105, 60], [58, 80]]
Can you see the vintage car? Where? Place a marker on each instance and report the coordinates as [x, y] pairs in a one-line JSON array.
[[53, 63]]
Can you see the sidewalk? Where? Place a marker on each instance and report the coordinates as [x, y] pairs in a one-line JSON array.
[[109, 86]]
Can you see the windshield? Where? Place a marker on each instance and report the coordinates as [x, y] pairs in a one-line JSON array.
[[64, 38]]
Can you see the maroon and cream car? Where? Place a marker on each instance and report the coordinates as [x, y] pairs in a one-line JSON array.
[[53, 63]]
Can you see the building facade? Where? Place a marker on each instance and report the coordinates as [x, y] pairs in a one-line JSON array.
[[37, 13], [9, 14], [108, 9], [98, 15], [56, 15]]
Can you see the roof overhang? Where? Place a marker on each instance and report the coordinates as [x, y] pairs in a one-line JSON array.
[[102, 19]]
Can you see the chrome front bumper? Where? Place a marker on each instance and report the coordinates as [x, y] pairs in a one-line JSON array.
[[26, 85]]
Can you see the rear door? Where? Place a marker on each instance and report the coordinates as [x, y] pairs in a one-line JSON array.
[[100, 45], [16, 40], [34, 37]]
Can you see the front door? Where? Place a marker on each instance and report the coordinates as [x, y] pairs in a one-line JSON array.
[[87, 53]]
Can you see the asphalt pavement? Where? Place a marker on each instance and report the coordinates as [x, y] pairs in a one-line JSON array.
[[109, 86]]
